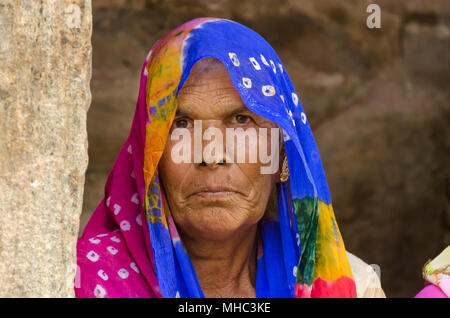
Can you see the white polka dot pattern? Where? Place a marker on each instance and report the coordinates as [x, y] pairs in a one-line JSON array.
[[295, 99], [134, 267], [117, 209], [303, 116], [268, 90], [125, 225], [111, 269], [101, 273], [281, 68], [92, 256], [139, 220], [234, 59], [123, 273], [99, 291], [263, 59], [135, 198], [255, 64], [112, 250], [247, 82], [274, 68], [94, 240]]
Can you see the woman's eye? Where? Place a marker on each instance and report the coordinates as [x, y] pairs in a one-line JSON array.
[[181, 123], [242, 119]]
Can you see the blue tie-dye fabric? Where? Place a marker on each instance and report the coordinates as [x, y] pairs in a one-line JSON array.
[[247, 56]]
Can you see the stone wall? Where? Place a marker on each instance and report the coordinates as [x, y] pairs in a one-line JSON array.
[[377, 100], [45, 71]]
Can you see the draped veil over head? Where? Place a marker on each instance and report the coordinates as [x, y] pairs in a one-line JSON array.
[[131, 246]]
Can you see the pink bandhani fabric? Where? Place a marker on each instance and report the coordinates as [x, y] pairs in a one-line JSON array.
[[114, 254]]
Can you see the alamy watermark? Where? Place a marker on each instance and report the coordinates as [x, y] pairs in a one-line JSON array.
[[374, 18], [251, 144]]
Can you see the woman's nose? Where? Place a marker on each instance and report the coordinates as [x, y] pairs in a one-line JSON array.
[[221, 162], [213, 159], [213, 151]]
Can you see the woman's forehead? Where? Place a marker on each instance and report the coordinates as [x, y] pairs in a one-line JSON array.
[[209, 93], [208, 72], [208, 64], [208, 88]]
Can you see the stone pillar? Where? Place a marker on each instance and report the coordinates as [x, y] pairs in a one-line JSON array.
[[45, 70]]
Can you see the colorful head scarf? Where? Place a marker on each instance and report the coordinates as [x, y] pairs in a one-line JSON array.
[[131, 247]]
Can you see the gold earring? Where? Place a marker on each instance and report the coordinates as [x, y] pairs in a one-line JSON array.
[[284, 175]]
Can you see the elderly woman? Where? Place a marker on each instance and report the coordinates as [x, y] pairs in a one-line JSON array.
[[208, 224]]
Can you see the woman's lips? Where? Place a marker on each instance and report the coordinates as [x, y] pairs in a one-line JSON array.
[[214, 195], [214, 192]]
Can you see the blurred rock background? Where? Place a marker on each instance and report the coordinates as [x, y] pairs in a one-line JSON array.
[[377, 100]]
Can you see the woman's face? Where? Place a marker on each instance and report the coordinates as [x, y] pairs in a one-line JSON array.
[[214, 200]]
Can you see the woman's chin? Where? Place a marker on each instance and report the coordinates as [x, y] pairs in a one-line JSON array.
[[216, 224]]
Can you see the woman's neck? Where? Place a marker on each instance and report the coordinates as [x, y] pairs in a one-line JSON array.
[[225, 268]]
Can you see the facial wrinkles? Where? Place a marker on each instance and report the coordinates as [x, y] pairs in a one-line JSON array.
[[256, 193], [210, 96], [252, 197], [212, 104], [203, 92]]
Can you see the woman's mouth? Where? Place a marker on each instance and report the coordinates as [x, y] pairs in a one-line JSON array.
[[214, 193]]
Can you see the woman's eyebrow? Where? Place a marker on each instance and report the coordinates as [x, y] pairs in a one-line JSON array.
[[242, 109], [179, 113]]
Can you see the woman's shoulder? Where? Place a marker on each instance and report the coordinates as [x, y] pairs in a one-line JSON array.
[[106, 268], [367, 281]]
